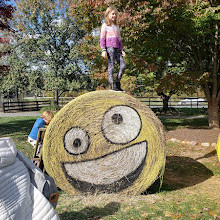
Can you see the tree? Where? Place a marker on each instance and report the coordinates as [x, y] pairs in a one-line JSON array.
[[193, 30], [5, 15], [16, 79], [6, 11], [157, 31], [180, 81], [47, 41]]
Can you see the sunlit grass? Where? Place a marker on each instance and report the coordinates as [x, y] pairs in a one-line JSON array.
[[186, 193], [18, 128]]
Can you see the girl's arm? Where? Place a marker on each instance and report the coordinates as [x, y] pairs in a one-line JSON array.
[[103, 37], [103, 41]]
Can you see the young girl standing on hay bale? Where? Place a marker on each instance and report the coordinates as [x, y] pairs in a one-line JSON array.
[[111, 45]]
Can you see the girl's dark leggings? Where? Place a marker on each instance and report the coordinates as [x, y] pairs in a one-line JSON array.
[[115, 54]]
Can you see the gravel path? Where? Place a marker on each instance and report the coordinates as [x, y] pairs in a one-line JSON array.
[[16, 114]]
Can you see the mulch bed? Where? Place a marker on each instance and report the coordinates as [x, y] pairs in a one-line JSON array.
[[197, 135]]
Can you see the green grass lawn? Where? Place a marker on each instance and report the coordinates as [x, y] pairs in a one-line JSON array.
[[184, 111], [192, 111], [190, 190], [175, 123], [18, 128]]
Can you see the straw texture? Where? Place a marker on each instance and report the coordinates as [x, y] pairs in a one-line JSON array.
[[104, 141], [218, 148]]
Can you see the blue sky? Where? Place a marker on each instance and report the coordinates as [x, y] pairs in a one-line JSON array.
[[11, 2]]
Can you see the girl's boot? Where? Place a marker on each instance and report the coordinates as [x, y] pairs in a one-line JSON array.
[[118, 86]]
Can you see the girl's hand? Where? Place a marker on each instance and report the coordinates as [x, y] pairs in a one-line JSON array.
[[104, 54], [123, 53]]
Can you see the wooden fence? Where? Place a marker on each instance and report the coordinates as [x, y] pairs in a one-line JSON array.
[[152, 102], [24, 105], [157, 102]]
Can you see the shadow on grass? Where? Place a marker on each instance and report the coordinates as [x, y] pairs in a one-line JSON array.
[[92, 212], [181, 172], [210, 154], [172, 124], [16, 125], [181, 111]]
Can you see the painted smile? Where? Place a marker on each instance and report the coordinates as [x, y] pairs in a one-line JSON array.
[[110, 173]]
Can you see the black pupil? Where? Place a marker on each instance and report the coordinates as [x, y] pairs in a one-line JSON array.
[[117, 119], [77, 143]]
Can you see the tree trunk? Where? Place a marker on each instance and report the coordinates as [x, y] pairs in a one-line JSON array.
[[213, 117], [166, 103], [17, 96], [56, 97], [214, 95], [165, 99], [1, 102]]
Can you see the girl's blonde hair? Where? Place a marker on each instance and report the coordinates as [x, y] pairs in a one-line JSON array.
[[107, 12], [47, 115]]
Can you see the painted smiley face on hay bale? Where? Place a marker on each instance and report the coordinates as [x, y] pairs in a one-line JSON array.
[[104, 141]]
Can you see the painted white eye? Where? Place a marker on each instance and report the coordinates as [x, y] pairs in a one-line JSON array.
[[121, 124], [76, 141]]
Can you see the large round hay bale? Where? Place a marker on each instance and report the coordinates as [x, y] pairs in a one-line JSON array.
[[218, 148], [104, 141]]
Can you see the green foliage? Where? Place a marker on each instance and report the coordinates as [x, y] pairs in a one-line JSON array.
[[155, 32], [145, 83], [128, 83], [52, 108], [16, 80], [47, 46], [6, 13], [180, 81]]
